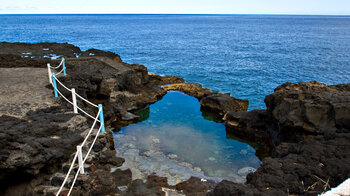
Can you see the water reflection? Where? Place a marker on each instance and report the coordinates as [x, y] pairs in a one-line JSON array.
[[174, 140]]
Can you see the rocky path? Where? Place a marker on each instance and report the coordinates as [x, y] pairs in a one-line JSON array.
[[24, 89]]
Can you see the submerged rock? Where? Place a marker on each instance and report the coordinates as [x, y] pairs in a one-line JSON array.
[[246, 170]]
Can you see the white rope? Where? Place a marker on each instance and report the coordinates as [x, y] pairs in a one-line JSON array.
[[93, 143], [92, 127], [86, 138], [70, 170], [76, 155], [78, 172], [86, 100], [64, 97], [75, 178], [62, 85], [58, 65], [59, 72], [79, 97], [86, 113]]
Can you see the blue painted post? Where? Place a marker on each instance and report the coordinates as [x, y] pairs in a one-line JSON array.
[[54, 84], [64, 66], [101, 118]]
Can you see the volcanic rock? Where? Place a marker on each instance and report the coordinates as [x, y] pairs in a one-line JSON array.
[[223, 103], [31, 145], [312, 107], [164, 80], [192, 89], [308, 126], [195, 186]]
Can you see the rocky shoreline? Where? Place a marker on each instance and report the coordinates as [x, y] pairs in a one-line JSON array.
[[303, 134]]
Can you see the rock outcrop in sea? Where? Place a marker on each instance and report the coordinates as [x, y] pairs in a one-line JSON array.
[[308, 126], [303, 135]]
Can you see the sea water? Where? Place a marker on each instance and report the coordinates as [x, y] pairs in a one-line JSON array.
[[175, 140], [245, 55]]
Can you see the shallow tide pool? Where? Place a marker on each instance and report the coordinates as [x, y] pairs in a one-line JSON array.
[[174, 140]]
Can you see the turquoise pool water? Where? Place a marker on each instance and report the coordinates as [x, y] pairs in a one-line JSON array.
[[176, 141]]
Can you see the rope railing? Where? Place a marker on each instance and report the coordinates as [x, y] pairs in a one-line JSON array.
[[99, 118], [87, 114], [93, 125], [62, 84], [74, 95], [63, 63], [59, 64], [86, 101], [59, 72]]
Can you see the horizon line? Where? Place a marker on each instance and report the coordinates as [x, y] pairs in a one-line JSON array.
[[304, 14]]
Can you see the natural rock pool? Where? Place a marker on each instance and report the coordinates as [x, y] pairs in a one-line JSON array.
[[174, 140]]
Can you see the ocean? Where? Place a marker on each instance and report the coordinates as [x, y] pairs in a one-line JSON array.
[[244, 55]]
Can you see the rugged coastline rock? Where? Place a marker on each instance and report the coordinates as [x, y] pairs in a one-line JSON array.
[[312, 107], [310, 149], [193, 89], [36, 144], [96, 75], [254, 127], [306, 126], [219, 103], [47, 51], [223, 103]]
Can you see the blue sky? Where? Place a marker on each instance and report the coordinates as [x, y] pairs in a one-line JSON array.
[[327, 7]]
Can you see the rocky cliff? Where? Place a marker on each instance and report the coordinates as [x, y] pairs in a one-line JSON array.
[[307, 126]]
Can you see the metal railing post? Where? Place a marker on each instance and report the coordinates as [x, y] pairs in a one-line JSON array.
[[101, 118], [74, 99], [49, 72], [80, 159], [64, 66], [54, 84]]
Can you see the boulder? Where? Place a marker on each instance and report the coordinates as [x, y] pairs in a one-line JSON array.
[[107, 86], [223, 103], [138, 188], [122, 177], [101, 183], [310, 106], [154, 180], [195, 186]]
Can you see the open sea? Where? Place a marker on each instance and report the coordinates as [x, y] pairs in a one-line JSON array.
[[245, 55]]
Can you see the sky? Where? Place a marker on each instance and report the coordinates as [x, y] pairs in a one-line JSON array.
[[312, 7]]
